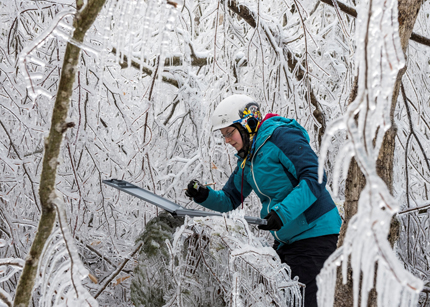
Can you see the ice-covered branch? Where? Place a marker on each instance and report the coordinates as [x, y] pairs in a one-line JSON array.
[[23, 165], [215, 261], [118, 270], [293, 63], [352, 12], [411, 210], [5, 297], [61, 269], [93, 250], [369, 116], [82, 22], [147, 70], [25, 55]]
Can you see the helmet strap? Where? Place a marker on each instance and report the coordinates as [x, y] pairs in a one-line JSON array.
[[245, 140], [248, 140]]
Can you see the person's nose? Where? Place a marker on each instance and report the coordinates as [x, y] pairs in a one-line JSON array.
[[228, 139]]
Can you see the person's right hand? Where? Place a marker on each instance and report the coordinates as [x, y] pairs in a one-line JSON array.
[[197, 191]]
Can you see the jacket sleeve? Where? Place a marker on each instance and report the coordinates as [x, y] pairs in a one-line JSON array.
[[229, 197], [301, 165]]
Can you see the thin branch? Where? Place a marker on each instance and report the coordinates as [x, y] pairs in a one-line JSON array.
[[352, 12], [75, 175], [92, 249], [411, 134], [246, 14], [68, 250], [420, 39], [23, 165], [5, 298], [145, 69], [118, 270]]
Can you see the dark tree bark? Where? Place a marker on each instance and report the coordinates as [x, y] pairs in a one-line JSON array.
[[82, 22]]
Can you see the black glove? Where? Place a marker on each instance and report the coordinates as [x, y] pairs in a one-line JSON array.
[[197, 191], [273, 222]]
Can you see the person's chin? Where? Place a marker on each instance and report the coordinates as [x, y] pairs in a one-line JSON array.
[[236, 146]]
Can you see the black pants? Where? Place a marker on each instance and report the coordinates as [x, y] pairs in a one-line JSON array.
[[306, 259]]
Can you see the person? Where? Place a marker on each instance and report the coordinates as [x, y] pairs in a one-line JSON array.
[[275, 159]]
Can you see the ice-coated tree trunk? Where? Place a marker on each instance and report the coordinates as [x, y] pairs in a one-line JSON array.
[[83, 20], [408, 12]]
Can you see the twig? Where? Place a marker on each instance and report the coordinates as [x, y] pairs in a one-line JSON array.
[[11, 235], [118, 270], [75, 175], [60, 222], [146, 70], [246, 14], [414, 209], [412, 133], [92, 249], [23, 165], [5, 299], [103, 197], [352, 12]]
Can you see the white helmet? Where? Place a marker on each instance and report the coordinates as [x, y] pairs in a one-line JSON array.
[[234, 109]]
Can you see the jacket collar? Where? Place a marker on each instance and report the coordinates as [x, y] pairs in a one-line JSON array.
[[273, 121]]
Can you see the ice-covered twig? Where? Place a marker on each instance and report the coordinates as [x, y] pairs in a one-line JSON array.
[[16, 262], [290, 62], [221, 253], [25, 53], [352, 12], [23, 165], [412, 133], [5, 298], [118, 270], [414, 209]]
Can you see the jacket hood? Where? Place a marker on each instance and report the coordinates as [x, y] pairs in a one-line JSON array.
[[270, 124]]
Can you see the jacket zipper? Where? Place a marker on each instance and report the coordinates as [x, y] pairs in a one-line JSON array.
[[253, 177], [255, 181]]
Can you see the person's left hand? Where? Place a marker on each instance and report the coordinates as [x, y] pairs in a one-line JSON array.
[[273, 222]]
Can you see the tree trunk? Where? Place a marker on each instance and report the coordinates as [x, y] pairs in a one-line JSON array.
[[408, 12], [82, 22]]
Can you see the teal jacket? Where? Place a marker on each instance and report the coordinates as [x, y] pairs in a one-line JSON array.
[[283, 172]]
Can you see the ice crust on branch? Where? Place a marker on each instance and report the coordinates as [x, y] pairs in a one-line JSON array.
[[379, 58], [8, 268], [61, 270], [214, 261], [26, 54]]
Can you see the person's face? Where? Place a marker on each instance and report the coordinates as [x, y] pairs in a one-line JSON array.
[[232, 136]]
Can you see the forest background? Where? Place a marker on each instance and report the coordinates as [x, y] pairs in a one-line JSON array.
[[125, 89]]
